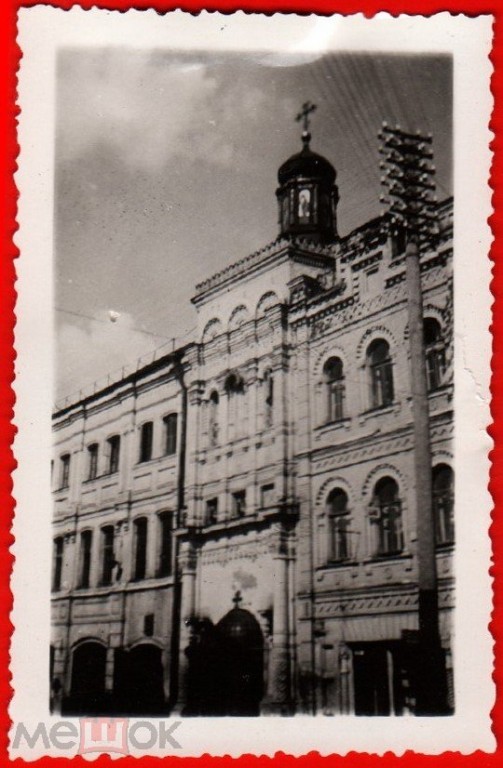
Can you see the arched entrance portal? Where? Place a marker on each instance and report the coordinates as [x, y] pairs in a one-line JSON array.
[[226, 667], [88, 695], [138, 681]]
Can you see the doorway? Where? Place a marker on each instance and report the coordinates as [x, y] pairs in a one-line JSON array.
[[380, 678]]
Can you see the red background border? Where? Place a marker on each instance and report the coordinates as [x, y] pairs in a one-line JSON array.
[[9, 58]]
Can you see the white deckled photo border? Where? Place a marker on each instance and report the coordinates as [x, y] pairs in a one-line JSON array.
[[42, 32]]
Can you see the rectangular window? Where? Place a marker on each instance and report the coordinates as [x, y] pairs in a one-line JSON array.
[[140, 539], [65, 471], [211, 512], [92, 454], [148, 625], [390, 538], [114, 447], [339, 543], [382, 384], [86, 543], [58, 563], [336, 401], [239, 504], [165, 525], [108, 557], [170, 426], [146, 439], [267, 498]]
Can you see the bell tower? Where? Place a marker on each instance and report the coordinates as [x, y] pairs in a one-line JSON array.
[[307, 193]]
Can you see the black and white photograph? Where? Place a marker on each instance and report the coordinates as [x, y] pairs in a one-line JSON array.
[[255, 399]]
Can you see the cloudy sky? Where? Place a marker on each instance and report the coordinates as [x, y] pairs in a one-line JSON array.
[[166, 172]]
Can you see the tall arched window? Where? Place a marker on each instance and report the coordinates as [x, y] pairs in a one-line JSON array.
[[333, 374], [86, 544], [57, 572], [107, 554], [434, 353], [170, 434], [146, 441], [140, 547], [338, 522], [387, 516], [92, 456], [114, 449], [234, 386], [268, 398], [443, 503], [380, 368], [166, 543], [213, 418]]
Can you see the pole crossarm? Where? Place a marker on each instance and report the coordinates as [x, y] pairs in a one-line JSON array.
[[408, 183]]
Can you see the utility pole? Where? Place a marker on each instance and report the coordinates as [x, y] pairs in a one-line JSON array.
[[409, 171]]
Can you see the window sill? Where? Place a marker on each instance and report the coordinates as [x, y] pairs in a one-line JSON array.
[[105, 475], [331, 565], [383, 558], [383, 410], [329, 426]]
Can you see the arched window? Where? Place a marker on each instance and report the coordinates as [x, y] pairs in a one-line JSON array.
[[57, 573], [268, 398], [170, 434], [146, 440], [92, 457], [443, 503], [234, 387], [166, 543], [64, 480], [333, 374], [434, 353], [380, 368], [86, 544], [213, 419], [107, 554], [338, 521], [387, 516], [140, 547], [114, 448]]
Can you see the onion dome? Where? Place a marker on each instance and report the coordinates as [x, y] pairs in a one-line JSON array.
[[307, 194], [306, 164]]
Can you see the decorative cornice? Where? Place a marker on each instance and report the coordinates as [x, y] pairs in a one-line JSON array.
[[279, 247]]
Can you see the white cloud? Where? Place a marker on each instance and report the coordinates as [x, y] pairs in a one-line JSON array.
[[101, 347], [151, 109]]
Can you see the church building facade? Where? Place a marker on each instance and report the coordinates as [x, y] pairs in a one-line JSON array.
[[235, 526]]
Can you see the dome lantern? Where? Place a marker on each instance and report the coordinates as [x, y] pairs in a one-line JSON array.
[[307, 193]]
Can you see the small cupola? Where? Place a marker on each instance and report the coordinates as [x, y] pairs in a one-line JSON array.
[[307, 193]]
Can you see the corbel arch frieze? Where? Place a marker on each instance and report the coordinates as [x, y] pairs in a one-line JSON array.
[[212, 329], [267, 301]]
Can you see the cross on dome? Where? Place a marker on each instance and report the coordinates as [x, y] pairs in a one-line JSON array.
[[237, 599], [307, 109]]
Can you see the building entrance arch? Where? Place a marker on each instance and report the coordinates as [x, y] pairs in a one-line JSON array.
[[226, 666], [87, 692], [138, 680]]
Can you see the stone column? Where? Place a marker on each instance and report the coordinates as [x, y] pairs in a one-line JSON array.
[[187, 566], [278, 698]]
